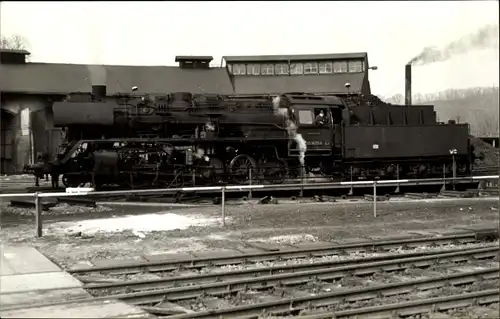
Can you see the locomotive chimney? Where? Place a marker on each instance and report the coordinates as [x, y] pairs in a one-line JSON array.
[[97, 79], [408, 84], [99, 91]]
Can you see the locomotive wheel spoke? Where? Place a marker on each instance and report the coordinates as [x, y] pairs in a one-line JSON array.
[[240, 167]]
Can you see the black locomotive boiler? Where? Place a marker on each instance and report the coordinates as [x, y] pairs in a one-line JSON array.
[[166, 140]]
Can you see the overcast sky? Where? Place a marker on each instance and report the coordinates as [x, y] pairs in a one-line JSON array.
[[153, 33]]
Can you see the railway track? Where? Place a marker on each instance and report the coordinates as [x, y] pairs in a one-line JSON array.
[[297, 292], [319, 251], [429, 306], [341, 286], [175, 281], [151, 293], [295, 305]]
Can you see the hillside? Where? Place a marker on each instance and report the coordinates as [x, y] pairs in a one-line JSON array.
[[477, 106]]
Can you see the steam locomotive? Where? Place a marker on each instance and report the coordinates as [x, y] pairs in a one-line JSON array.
[[159, 141]]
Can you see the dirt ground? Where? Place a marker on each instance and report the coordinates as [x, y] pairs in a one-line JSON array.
[[282, 223]]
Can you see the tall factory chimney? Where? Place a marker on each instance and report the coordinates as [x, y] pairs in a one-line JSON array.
[[97, 78], [408, 84]]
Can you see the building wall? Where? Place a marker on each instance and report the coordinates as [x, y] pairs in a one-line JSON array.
[[24, 130]]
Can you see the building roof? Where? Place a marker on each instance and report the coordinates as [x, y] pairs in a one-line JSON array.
[[14, 51], [194, 58], [295, 57], [307, 83], [48, 78]]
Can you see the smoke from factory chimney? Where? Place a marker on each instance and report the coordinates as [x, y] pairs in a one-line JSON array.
[[483, 38], [408, 84]]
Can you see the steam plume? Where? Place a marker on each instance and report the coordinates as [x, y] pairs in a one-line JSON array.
[[485, 37], [96, 71], [291, 128]]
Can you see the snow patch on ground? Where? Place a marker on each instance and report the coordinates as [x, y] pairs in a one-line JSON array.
[[60, 209], [136, 223], [16, 177], [289, 239]]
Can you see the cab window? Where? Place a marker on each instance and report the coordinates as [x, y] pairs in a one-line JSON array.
[[306, 117], [321, 116]]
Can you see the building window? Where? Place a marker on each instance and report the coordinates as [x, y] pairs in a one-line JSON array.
[[239, 69], [355, 66], [340, 67], [297, 69], [281, 69], [267, 69], [325, 67], [311, 68], [253, 69]]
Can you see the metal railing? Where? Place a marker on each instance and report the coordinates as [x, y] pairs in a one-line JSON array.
[[70, 192]]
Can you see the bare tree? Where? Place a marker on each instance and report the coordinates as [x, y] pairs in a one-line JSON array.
[[484, 125], [14, 42], [475, 106], [395, 99]]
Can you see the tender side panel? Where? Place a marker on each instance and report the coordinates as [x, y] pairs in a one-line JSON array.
[[395, 114], [365, 142]]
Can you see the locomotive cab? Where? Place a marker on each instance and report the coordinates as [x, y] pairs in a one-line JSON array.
[[318, 120], [315, 125]]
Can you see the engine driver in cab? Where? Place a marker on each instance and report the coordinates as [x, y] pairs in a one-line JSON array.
[[320, 118]]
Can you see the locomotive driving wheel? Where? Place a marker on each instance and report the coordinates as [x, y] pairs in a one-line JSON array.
[[240, 167]]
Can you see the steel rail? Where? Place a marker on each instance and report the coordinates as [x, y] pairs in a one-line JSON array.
[[229, 287], [411, 308], [297, 278], [176, 281], [294, 305], [169, 265]]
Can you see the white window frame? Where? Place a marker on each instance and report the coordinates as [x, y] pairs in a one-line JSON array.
[[353, 63], [239, 69], [296, 69], [267, 69], [253, 69], [281, 69], [325, 68], [311, 68], [337, 63], [306, 117]]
